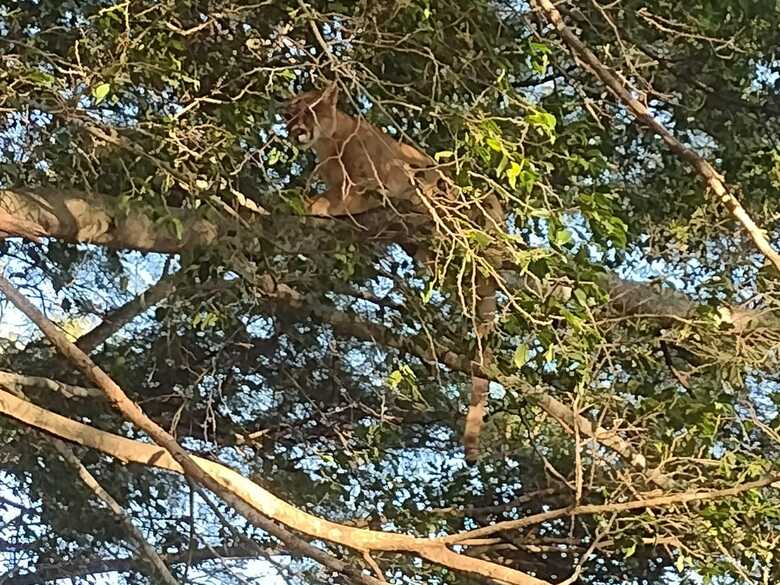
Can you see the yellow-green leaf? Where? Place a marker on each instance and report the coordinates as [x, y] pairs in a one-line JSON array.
[[394, 379], [679, 564], [100, 92], [562, 237], [629, 550], [494, 144], [580, 295], [521, 355], [512, 174]]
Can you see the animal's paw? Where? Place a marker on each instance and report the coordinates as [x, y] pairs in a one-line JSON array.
[[319, 206], [13, 226]]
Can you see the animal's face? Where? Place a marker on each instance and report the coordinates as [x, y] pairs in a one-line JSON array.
[[311, 115]]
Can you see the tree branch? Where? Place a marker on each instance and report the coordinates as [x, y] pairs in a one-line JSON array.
[[127, 312], [253, 495], [80, 217], [18, 383], [94, 218], [346, 324], [84, 568], [259, 506], [128, 450], [146, 549], [659, 502], [712, 178]]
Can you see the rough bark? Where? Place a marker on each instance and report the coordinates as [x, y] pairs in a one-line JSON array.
[[80, 217]]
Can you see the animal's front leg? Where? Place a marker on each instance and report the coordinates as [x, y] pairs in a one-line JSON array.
[[335, 203]]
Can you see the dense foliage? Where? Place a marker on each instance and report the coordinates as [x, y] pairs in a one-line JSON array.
[[301, 351]]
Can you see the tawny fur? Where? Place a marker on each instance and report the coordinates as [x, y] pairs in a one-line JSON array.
[[14, 226], [361, 165]]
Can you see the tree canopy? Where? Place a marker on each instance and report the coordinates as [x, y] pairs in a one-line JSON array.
[[316, 369]]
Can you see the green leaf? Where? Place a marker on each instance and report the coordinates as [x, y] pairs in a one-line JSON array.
[[502, 164], [394, 379], [543, 121], [679, 564], [562, 237], [443, 154], [581, 296], [480, 238], [512, 174], [520, 357], [100, 92], [273, 156], [629, 551], [495, 144], [427, 294], [178, 227], [572, 319], [41, 78]]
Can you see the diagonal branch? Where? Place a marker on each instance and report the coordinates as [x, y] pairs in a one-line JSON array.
[[18, 383], [346, 324], [146, 549], [349, 325], [128, 450], [80, 217], [258, 498], [658, 502], [712, 178], [127, 312], [259, 506]]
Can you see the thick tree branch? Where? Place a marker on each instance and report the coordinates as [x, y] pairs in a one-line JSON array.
[[147, 551], [258, 498], [348, 325], [80, 217], [712, 178], [19, 383], [128, 450], [14, 225], [259, 506]]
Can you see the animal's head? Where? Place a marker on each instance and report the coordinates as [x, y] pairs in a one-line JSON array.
[[311, 115]]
